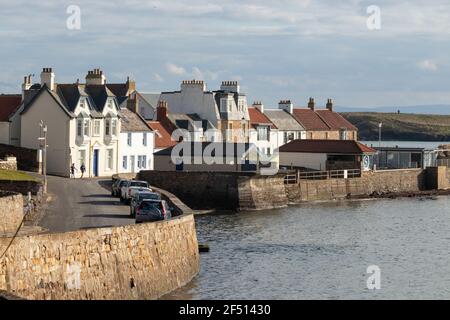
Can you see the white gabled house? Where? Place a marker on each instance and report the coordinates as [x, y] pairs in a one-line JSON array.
[[83, 124], [137, 143]]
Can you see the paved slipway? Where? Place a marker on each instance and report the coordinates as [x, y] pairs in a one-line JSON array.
[[82, 204]]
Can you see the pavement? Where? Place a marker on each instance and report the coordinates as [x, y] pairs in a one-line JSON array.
[[82, 204]]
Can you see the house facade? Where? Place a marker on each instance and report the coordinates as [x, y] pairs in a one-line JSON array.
[[263, 132], [225, 109], [83, 124], [137, 143]]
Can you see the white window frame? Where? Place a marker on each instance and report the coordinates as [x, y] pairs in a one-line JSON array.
[[125, 162], [129, 139], [108, 127], [144, 139], [86, 127], [113, 127], [97, 128], [109, 159], [80, 123]]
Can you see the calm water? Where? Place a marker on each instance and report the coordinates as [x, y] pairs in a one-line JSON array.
[[322, 251]]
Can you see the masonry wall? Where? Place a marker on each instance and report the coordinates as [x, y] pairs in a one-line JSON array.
[[11, 212], [142, 261], [371, 182], [23, 187], [27, 159], [198, 189], [9, 163]]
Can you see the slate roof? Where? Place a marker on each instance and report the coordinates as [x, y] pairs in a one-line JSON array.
[[259, 118], [8, 104], [283, 120], [151, 98], [132, 122], [326, 146], [239, 150], [189, 121], [163, 138]]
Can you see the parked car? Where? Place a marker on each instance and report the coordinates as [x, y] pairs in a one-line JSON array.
[[138, 197], [133, 190], [152, 210], [116, 186], [124, 195]]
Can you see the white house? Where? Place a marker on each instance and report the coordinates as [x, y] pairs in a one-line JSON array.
[[82, 120], [137, 143], [263, 132], [225, 109], [8, 105]]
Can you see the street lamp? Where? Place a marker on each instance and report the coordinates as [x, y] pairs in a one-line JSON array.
[[379, 134], [43, 139]]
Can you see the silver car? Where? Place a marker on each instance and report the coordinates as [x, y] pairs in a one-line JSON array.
[[139, 197], [152, 210]]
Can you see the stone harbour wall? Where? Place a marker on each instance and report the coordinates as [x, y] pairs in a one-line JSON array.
[[11, 212], [142, 261], [9, 163]]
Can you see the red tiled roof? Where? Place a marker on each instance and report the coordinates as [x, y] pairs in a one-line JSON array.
[[257, 117], [309, 119], [326, 146], [163, 138], [8, 104], [334, 120]]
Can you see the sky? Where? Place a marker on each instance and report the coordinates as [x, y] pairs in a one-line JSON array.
[[284, 49]]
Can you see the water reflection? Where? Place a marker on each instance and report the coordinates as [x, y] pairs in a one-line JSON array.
[[322, 250]]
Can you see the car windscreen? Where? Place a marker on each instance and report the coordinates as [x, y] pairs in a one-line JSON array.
[[147, 205], [138, 184], [153, 196], [122, 183]]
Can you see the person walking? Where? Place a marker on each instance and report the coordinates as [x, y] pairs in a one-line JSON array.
[[83, 170], [72, 170]]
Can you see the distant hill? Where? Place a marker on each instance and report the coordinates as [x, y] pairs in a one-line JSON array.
[[401, 127], [422, 109]]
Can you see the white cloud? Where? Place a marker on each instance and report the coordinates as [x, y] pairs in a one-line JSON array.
[[173, 69], [427, 65], [157, 77]]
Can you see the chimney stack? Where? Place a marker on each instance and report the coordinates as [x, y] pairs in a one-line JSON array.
[[330, 104], [48, 78], [230, 86], [258, 105], [131, 86], [311, 104], [161, 110], [26, 85], [133, 104], [95, 76], [286, 105]]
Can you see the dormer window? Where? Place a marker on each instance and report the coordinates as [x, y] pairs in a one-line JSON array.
[[82, 103], [110, 104], [86, 127]]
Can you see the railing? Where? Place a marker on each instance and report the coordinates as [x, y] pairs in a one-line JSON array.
[[322, 175]]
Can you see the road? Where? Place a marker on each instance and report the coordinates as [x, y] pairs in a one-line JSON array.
[[83, 204]]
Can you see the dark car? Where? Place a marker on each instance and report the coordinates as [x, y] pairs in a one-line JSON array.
[[152, 210], [139, 197], [116, 186]]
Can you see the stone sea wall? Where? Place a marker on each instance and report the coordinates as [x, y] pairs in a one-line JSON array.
[[11, 212]]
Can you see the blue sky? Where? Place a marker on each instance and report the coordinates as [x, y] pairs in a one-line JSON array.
[[286, 49]]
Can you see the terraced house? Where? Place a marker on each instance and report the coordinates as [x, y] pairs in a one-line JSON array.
[[224, 110], [83, 122]]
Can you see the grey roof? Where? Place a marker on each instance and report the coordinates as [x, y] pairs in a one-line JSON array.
[[239, 150], [283, 120], [57, 99], [132, 122], [189, 121], [151, 98]]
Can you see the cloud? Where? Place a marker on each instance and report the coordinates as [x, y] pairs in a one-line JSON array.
[[157, 77], [427, 65], [173, 69]]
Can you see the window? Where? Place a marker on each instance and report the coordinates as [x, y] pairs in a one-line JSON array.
[[144, 162], [129, 138], [79, 127], [86, 127], [81, 157], [268, 152], [96, 128], [125, 162], [144, 139], [343, 134], [114, 127], [107, 128], [139, 162], [109, 159], [82, 104], [263, 133], [110, 104], [285, 137]]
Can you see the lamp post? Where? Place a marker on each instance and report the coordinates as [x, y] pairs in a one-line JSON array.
[[43, 139], [379, 134]]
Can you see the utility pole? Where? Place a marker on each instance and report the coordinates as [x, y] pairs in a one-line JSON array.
[[43, 139], [379, 143]]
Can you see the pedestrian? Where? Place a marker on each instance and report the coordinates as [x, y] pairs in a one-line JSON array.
[[83, 170], [72, 170]]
